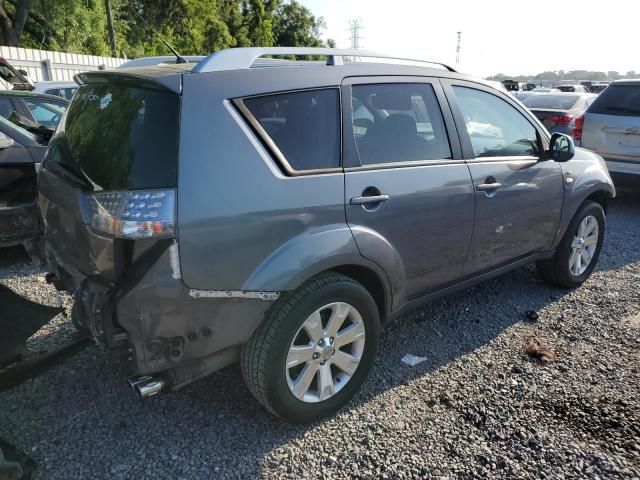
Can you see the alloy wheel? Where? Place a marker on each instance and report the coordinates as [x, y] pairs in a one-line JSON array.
[[325, 352], [584, 245]]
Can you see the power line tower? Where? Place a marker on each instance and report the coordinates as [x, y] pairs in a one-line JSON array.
[[458, 47], [354, 32]]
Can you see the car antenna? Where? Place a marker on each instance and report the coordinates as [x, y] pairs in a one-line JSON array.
[[179, 58]]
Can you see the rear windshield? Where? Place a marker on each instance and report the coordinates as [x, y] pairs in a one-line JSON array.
[[556, 102], [618, 100], [118, 137]]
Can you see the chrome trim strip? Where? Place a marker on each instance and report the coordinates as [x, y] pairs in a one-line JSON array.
[[174, 258], [267, 296]]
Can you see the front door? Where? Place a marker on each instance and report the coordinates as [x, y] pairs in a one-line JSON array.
[[518, 198], [408, 192]]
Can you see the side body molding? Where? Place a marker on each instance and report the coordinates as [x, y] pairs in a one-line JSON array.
[[313, 252]]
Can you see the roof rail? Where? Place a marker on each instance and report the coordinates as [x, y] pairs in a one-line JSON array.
[[242, 58], [151, 61]]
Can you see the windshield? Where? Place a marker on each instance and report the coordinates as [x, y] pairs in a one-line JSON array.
[[120, 137], [555, 102]]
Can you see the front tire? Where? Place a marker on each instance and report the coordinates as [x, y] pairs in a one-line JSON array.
[[314, 349], [579, 249]]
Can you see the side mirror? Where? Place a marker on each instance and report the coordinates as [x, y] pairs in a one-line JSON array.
[[561, 148]]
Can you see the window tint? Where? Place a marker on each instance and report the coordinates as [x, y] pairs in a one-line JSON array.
[[559, 102], [496, 128], [6, 107], [305, 126], [120, 137], [618, 99], [398, 123], [45, 112]]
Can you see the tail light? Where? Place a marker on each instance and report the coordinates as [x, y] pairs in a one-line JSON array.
[[577, 128], [562, 119], [134, 215]]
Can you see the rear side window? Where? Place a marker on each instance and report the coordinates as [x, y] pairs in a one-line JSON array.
[[398, 123], [496, 128], [303, 128], [6, 107], [45, 112], [120, 137], [618, 99]]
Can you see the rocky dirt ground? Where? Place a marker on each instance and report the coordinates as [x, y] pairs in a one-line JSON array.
[[477, 407]]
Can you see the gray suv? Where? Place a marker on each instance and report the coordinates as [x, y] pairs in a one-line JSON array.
[[279, 212]]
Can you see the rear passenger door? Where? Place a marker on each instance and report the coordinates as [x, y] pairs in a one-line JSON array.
[[518, 197], [408, 193]]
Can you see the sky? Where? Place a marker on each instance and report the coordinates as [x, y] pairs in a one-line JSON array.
[[522, 37]]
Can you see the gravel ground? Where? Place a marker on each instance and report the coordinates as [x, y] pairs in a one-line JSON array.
[[477, 407]]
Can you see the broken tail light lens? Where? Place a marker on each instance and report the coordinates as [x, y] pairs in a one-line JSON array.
[[135, 214]]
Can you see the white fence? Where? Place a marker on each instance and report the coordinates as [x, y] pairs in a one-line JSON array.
[[45, 65]]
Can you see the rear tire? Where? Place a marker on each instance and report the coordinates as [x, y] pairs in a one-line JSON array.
[[304, 363], [578, 252]]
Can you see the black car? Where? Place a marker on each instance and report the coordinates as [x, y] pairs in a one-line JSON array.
[[21, 153], [46, 110]]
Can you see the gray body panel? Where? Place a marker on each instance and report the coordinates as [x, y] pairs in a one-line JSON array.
[[518, 219], [616, 138], [584, 175], [424, 228]]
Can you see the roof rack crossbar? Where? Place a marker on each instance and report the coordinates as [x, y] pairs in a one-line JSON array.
[[243, 58]]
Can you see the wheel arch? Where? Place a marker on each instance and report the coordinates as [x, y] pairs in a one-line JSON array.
[[600, 196], [329, 249], [371, 281]]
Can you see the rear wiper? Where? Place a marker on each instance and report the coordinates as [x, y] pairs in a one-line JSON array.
[[632, 111]]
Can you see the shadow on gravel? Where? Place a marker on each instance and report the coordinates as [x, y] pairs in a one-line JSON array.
[[215, 423], [214, 427], [12, 255], [15, 263], [623, 226]]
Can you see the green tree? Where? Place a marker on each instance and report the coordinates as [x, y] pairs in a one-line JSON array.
[[191, 26], [295, 25]]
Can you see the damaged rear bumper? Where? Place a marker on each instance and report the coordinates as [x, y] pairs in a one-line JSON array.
[[156, 323]]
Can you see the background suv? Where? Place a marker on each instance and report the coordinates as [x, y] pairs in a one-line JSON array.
[[611, 127], [315, 201]]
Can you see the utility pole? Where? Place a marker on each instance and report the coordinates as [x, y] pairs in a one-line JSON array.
[[112, 32], [354, 32], [458, 48]]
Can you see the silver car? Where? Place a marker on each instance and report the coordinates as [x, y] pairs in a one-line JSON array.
[[611, 127]]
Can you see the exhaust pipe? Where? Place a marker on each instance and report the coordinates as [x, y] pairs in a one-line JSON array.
[[146, 386]]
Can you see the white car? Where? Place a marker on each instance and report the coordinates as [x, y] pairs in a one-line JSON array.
[[60, 89], [611, 127]]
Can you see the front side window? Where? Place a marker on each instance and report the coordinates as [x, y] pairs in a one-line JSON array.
[[495, 127], [304, 126], [398, 123]]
